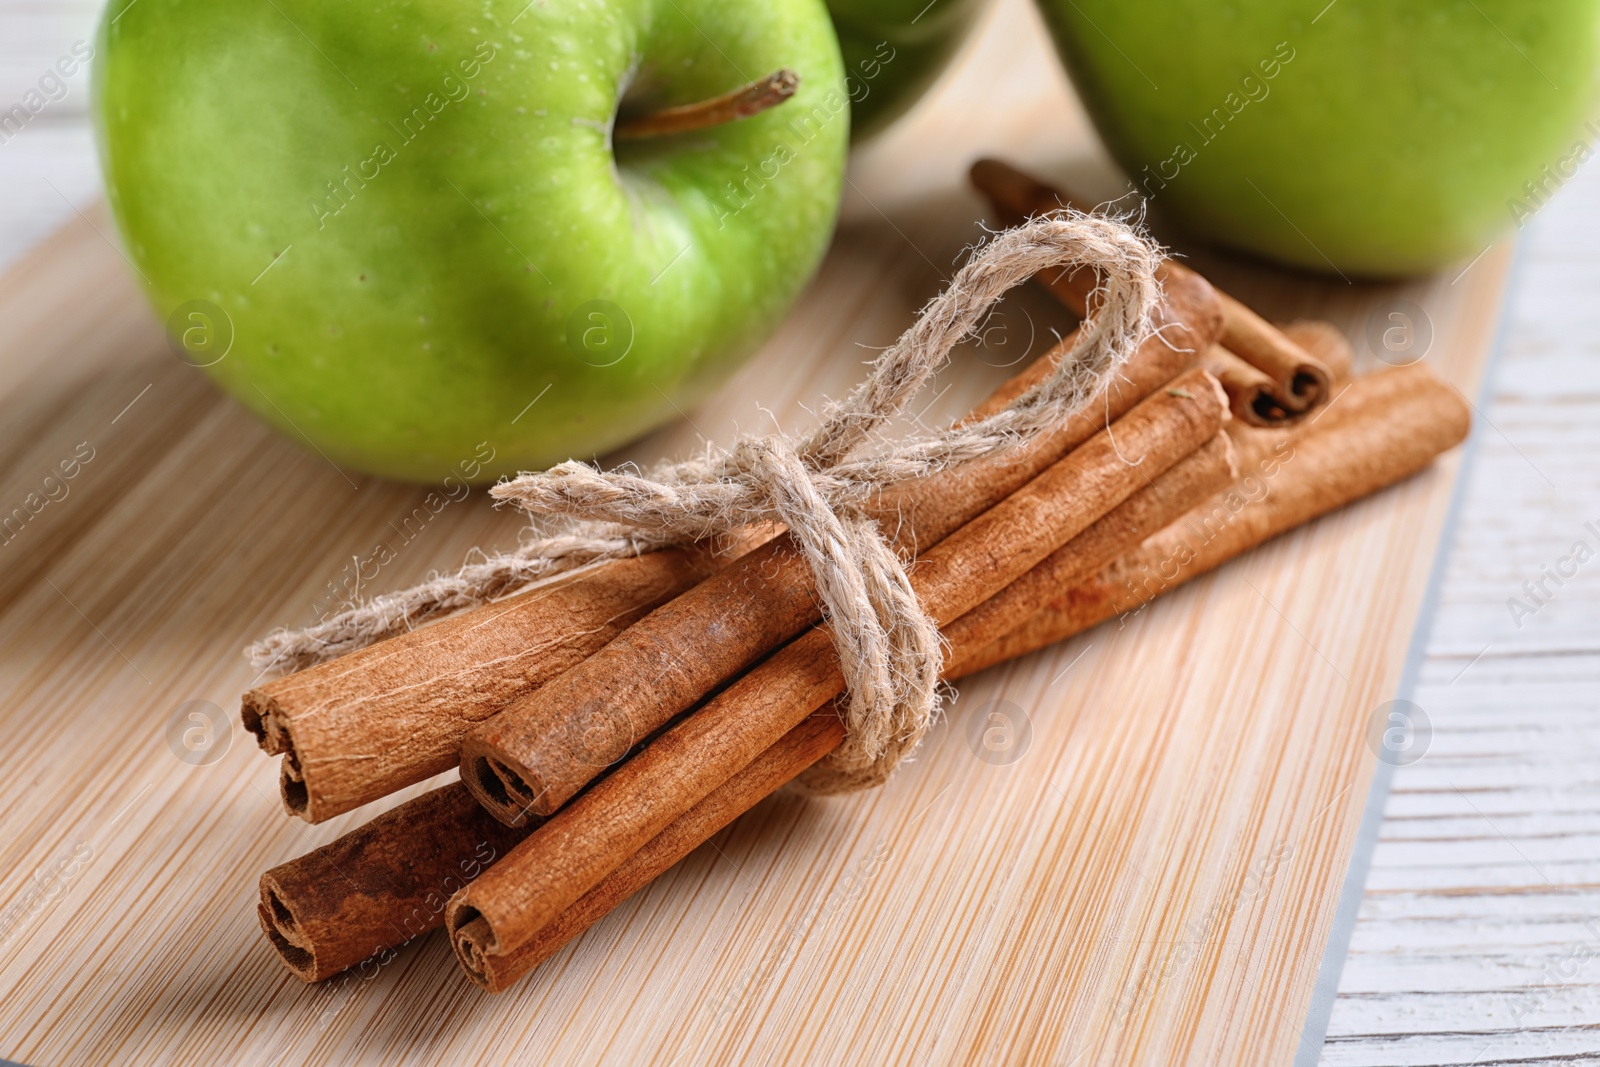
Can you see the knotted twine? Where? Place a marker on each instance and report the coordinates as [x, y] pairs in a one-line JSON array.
[[816, 486]]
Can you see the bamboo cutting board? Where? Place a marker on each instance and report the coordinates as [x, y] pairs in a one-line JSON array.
[[1151, 879]]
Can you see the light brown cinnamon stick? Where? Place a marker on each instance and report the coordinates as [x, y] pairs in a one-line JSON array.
[[815, 737], [1382, 428], [385, 717], [821, 733], [1302, 381], [592, 836], [358, 908], [538, 752], [1252, 394], [1297, 380]]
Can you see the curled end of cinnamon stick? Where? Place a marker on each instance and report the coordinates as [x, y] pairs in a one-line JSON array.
[[264, 720], [472, 939], [292, 788], [512, 794], [1300, 380], [1309, 384], [1252, 396], [283, 932], [1016, 195]]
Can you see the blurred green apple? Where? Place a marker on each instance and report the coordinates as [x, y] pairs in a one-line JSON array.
[[403, 232], [1364, 136], [894, 50]]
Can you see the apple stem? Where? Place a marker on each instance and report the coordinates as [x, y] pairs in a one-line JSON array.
[[741, 103]]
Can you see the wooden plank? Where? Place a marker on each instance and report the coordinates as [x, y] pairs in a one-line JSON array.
[[1477, 940], [1151, 881]]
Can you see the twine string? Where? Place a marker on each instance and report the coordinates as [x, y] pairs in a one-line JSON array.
[[817, 486]]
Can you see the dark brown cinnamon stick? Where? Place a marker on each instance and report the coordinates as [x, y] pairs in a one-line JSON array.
[[358, 898]]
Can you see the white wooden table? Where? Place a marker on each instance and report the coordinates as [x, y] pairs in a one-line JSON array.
[[1478, 939], [1478, 934]]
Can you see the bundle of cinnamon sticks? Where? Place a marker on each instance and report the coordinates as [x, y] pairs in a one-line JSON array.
[[607, 723]]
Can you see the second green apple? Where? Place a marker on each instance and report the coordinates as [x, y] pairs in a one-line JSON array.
[[894, 50], [1359, 136]]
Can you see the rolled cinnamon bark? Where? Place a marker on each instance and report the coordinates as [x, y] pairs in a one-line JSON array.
[[358, 898], [338, 907], [1302, 380], [592, 836], [385, 717], [541, 749], [798, 749], [1193, 480], [1253, 395], [1384, 427], [352, 904], [1298, 381]]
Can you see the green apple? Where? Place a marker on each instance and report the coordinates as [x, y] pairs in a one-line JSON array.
[[1364, 136], [894, 50], [403, 233]]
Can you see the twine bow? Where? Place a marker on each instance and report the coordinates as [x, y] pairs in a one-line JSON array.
[[817, 487]]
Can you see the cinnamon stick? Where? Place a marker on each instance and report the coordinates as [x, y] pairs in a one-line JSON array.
[[1253, 395], [1302, 381], [1210, 469], [592, 836], [1292, 379], [385, 717], [358, 898], [815, 737], [538, 752], [1381, 429], [348, 901]]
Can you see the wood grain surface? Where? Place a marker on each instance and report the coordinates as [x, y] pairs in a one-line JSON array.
[[1149, 877]]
